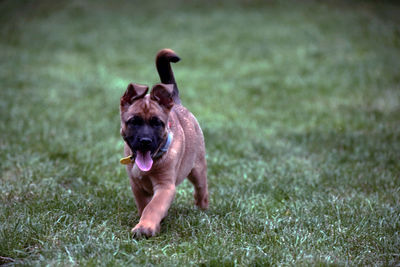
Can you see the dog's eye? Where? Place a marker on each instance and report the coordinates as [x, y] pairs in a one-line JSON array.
[[135, 121], [156, 122]]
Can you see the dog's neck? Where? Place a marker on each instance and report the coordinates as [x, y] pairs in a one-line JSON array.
[[165, 147]]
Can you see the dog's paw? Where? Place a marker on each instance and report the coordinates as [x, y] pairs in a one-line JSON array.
[[202, 202], [144, 229]]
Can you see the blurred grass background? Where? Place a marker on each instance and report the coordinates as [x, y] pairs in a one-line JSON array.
[[299, 103]]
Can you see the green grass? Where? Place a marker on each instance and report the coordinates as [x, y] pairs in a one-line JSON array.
[[299, 103]]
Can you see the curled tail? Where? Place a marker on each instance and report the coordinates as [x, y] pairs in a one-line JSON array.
[[163, 63]]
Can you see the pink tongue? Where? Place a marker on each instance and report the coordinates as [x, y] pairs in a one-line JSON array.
[[144, 161]]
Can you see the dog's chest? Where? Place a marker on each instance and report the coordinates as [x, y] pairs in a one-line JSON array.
[[141, 180]]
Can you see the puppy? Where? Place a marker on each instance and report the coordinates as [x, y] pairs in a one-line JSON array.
[[164, 144]]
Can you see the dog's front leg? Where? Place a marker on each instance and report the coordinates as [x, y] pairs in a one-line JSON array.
[[155, 211]]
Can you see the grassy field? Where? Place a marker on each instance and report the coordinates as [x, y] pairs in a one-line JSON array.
[[299, 103]]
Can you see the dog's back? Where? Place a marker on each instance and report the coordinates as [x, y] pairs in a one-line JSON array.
[[187, 121]]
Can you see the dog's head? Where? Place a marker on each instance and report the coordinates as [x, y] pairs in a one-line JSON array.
[[144, 120]]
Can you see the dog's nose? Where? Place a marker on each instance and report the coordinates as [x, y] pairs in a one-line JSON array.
[[145, 141]]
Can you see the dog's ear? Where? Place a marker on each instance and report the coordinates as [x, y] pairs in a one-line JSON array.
[[162, 93], [133, 92]]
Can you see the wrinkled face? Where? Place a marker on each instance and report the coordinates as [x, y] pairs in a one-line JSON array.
[[143, 125]]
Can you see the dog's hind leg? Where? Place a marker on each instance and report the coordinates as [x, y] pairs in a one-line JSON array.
[[198, 177]]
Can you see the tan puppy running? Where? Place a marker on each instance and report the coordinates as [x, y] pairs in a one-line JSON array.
[[164, 144]]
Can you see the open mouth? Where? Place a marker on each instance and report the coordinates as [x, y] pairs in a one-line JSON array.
[[143, 160]]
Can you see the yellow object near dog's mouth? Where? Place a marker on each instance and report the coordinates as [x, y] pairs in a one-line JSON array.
[[127, 160]]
